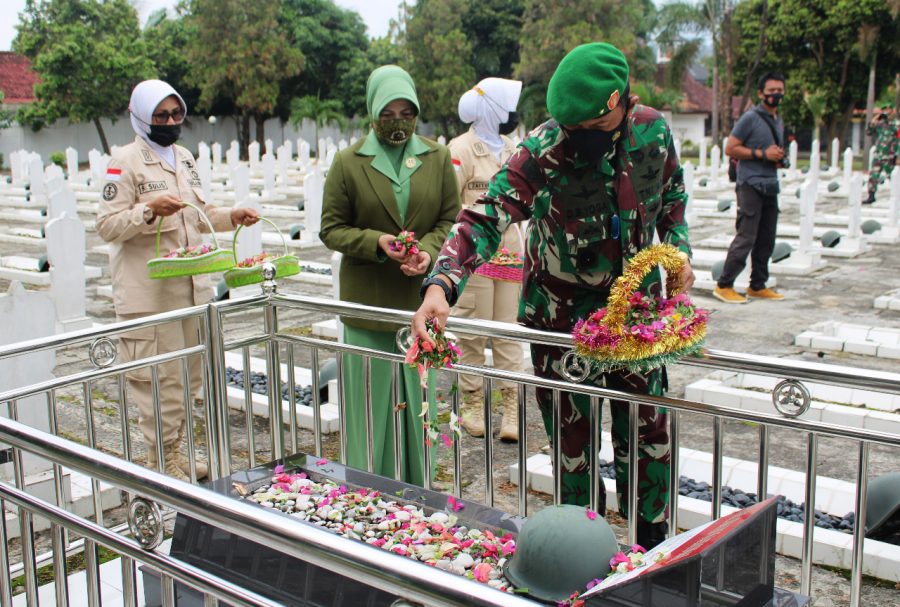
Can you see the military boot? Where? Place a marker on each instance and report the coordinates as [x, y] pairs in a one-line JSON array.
[[184, 462], [649, 535], [472, 414], [509, 427], [171, 467]]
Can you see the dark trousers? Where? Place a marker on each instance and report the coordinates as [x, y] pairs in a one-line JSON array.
[[757, 220]]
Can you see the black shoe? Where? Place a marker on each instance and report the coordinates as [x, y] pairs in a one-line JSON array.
[[870, 199], [649, 535]]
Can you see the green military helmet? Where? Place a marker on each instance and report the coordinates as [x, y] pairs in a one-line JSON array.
[[781, 251], [834, 186], [717, 269], [883, 505], [831, 238], [327, 372], [870, 226], [723, 204], [559, 550]]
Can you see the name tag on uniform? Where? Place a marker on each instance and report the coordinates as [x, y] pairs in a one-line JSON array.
[[477, 185], [152, 186]]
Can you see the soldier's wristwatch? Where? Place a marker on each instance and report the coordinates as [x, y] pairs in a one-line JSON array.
[[449, 290]]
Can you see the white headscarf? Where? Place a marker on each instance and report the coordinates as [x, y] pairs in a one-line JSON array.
[[487, 106], [144, 99]]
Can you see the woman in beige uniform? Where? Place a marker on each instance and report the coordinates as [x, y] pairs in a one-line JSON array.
[[147, 180], [477, 155]]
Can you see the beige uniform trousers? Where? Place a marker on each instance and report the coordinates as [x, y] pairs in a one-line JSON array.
[[150, 341], [482, 297]]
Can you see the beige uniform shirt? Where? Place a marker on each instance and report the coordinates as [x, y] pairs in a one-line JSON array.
[[475, 165], [135, 176]]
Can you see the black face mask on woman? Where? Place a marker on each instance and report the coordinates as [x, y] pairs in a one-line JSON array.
[[510, 125], [164, 134]]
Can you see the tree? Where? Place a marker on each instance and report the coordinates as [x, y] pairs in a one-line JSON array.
[[238, 51], [816, 44], [492, 27], [434, 43], [89, 56], [552, 28], [320, 111], [333, 40], [381, 51]]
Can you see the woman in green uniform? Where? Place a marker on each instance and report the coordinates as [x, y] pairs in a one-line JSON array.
[[390, 181]]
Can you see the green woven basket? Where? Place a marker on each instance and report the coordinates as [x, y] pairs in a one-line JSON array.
[[217, 260], [285, 264]]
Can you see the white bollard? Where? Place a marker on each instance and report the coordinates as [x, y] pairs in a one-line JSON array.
[[807, 216], [313, 192], [253, 153], [835, 153], [688, 169], [240, 179], [792, 157], [216, 155], [701, 164], [714, 158], [894, 204], [848, 167], [854, 207], [71, 162], [268, 168]]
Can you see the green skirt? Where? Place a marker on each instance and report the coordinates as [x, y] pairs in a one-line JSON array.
[[412, 429]]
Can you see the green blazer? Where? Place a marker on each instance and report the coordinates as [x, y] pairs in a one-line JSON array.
[[359, 206]]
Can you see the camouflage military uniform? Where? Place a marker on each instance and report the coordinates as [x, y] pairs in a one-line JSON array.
[[887, 149], [586, 219]]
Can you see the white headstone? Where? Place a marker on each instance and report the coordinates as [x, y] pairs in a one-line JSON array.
[[354, 139], [807, 215], [871, 157], [249, 240], [342, 144], [894, 204], [848, 167], [714, 165], [815, 159], [17, 168], [835, 153], [688, 168], [442, 140], [288, 146], [313, 187], [854, 207], [677, 144], [792, 158], [204, 168], [240, 178], [701, 164], [53, 173], [303, 152], [336, 290], [321, 147], [98, 168], [282, 156], [62, 201], [253, 153], [71, 162], [36, 177], [270, 147], [66, 254], [232, 158], [27, 315], [268, 168], [329, 156], [217, 154]]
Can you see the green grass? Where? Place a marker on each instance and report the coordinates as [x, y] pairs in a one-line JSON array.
[[74, 563]]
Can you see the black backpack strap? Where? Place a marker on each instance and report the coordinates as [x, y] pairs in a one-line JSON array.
[[767, 118]]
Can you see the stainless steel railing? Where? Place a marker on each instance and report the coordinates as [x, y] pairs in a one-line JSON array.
[[280, 348]]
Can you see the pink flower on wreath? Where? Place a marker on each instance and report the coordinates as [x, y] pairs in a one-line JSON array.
[[638, 548], [482, 572], [618, 557], [412, 353], [279, 469], [448, 442]]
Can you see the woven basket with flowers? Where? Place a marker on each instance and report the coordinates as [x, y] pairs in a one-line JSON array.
[[250, 270], [638, 332], [188, 261], [504, 265]]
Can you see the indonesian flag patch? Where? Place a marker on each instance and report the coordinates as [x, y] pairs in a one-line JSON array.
[[113, 174], [457, 165]]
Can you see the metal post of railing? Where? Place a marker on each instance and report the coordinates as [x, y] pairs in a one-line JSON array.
[[397, 419], [217, 396], [342, 404], [6, 586], [167, 590], [717, 468], [859, 530], [556, 448], [210, 601], [427, 447], [248, 405], [596, 479], [522, 449], [457, 451], [123, 417], [188, 404], [674, 475], [633, 453], [762, 472], [26, 521], [809, 514], [273, 370], [316, 400], [370, 422], [91, 554], [488, 444], [157, 419], [292, 397], [57, 532]]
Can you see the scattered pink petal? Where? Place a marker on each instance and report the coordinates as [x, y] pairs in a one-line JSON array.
[[455, 504], [638, 548], [279, 469], [446, 440], [321, 462], [590, 514], [482, 572]]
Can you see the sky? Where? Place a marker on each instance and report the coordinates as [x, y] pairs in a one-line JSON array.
[[375, 13]]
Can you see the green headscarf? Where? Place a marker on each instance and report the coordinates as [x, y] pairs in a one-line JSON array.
[[389, 83]]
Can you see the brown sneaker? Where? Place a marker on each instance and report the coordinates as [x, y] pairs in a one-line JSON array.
[[728, 295], [766, 293]]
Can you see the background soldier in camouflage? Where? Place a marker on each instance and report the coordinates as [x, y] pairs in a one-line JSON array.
[[597, 182], [885, 128]]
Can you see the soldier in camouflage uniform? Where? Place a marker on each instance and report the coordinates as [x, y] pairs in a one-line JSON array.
[[597, 182], [885, 128]]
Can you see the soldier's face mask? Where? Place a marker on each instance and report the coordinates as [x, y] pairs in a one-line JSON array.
[[394, 131], [510, 125], [594, 144], [164, 134]]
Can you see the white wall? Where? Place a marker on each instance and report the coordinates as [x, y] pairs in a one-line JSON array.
[[687, 127], [83, 137]]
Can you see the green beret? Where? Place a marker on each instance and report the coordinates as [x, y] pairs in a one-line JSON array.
[[588, 83]]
